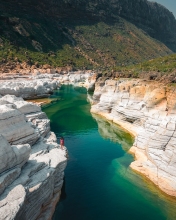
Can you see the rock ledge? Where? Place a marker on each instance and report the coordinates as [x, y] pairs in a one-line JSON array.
[[32, 163], [148, 111]]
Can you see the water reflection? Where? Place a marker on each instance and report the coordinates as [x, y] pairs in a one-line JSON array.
[[99, 183], [115, 133], [123, 177]]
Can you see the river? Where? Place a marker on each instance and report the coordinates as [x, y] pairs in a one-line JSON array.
[[99, 185]]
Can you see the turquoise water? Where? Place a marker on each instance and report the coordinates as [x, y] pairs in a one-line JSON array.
[[99, 185]]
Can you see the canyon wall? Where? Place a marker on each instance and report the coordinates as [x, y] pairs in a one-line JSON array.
[[31, 162], [28, 88], [148, 111], [41, 85]]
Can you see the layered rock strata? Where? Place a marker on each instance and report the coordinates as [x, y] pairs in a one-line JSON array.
[[148, 111], [31, 162], [42, 85], [28, 89]]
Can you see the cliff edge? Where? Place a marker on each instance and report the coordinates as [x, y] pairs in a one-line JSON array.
[[32, 163], [147, 110]]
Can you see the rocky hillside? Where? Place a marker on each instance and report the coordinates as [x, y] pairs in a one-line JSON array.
[[83, 34], [152, 17], [161, 69]]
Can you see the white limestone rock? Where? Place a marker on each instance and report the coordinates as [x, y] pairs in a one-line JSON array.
[[11, 202], [147, 110], [28, 89], [31, 162], [12, 156], [8, 178], [14, 127], [26, 107]]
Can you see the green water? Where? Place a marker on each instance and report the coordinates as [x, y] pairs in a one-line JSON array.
[[99, 185]]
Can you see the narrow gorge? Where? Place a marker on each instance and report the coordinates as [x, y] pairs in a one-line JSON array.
[[32, 163], [98, 76]]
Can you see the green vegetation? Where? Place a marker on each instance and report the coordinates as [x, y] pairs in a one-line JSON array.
[[118, 44], [80, 34], [82, 46], [161, 65]]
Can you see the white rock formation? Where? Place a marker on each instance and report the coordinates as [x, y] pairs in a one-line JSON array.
[[79, 78], [31, 162], [148, 111], [28, 89], [42, 85]]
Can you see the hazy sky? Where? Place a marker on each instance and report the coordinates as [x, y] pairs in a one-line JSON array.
[[170, 4]]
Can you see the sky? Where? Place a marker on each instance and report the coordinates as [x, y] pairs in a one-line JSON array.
[[169, 4]]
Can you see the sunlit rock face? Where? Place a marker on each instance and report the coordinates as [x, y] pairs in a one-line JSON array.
[[28, 89], [31, 162], [42, 85], [148, 110]]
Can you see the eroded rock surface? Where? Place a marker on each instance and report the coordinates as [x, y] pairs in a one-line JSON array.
[[31, 162], [147, 110], [28, 89], [43, 84]]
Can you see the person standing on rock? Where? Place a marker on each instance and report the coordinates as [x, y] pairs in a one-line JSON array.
[[62, 143]]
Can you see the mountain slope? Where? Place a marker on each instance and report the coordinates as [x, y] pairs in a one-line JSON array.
[[83, 34], [161, 69]]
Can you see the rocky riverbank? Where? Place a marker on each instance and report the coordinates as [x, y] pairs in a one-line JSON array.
[[42, 85], [32, 163], [147, 110]]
